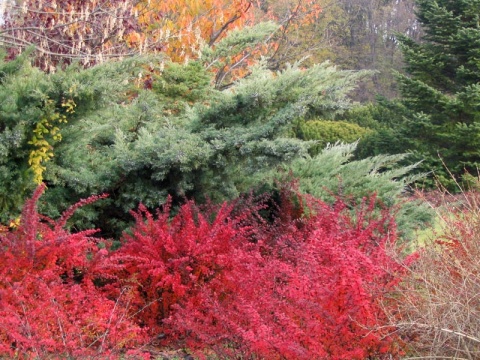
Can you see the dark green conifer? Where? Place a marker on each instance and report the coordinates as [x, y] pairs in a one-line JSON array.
[[442, 88]]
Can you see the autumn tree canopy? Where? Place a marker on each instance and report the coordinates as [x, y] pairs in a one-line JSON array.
[[94, 31]]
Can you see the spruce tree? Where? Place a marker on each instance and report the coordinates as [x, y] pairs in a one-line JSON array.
[[442, 86]]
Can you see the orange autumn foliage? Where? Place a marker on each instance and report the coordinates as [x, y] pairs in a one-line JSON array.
[[180, 28]]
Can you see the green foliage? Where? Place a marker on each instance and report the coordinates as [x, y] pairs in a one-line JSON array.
[[34, 107], [448, 58], [186, 138], [390, 134], [182, 137], [232, 52], [23, 92], [442, 92], [182, 84], [329, 132], [377, 115], [332, 173]]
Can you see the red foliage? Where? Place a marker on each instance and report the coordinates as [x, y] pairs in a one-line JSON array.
[[292, 288], [304, 281], [48, 301]]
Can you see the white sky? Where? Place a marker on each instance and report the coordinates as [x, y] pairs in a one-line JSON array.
[[2, 4]]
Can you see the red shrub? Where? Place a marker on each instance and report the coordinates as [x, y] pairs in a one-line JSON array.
[[48, 303], [293, 284], [295, 288]]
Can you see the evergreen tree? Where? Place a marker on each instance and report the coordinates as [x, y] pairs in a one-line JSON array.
[[141, 130], [187, 139], [38, 109], [442, 89]]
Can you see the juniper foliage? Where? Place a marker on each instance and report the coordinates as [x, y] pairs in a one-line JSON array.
[[187, 139], [144, 129], [333, 174]]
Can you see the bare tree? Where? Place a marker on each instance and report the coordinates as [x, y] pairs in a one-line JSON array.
[[362, 35], [63, 31]]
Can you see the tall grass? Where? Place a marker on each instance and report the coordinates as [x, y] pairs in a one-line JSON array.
[[438, 312]]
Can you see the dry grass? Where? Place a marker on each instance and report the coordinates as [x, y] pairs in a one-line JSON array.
[[438, 314]]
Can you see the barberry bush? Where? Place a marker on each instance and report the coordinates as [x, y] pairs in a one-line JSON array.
[[306, 282], [49, 304], [262, 277]]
